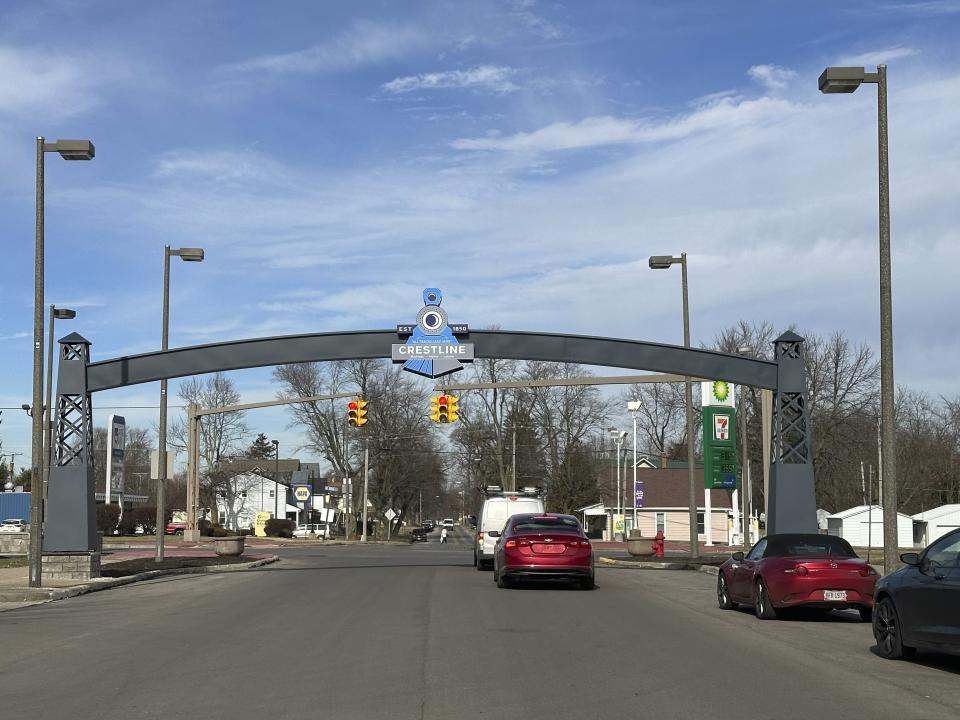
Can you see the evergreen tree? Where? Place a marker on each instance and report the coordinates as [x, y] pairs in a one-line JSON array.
[[260, 448]]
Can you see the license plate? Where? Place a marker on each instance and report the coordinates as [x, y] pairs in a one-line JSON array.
[[549, 549], [834, 594]]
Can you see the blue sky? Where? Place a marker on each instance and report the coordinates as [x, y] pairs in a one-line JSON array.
[[335, 158]]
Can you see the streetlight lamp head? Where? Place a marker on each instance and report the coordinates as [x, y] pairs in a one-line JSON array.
[[75, 149], [634, 405], [660, 262], [189, 254], [64, 313], [841, 79]]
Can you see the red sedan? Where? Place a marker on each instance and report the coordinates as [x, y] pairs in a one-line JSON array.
[[544, 545], [790, 570]]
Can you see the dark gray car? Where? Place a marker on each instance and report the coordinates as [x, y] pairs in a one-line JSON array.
[[918, 606]]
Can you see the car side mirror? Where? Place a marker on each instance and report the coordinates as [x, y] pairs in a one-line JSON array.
[[910, 558], [493, 533], [738, 556]]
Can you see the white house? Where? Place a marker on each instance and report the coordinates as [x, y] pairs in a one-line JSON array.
[[930, 525], [246, 494], [863, 525]]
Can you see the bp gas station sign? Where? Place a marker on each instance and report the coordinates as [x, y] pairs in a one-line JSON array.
[[719, 435]]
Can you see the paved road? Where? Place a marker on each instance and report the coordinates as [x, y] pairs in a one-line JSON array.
[[415, 632]]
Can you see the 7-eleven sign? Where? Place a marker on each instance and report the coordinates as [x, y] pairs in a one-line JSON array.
[[721, 427]]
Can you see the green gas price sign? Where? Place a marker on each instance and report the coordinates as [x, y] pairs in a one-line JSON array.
[[719, 447]]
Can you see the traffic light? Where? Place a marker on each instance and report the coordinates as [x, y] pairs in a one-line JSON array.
[[443, 409], [357, 412]]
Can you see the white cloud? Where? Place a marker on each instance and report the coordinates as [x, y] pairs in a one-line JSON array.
[[725, 113], [366, 43], [876, 57], [772, 77], [15, 336], [492, 78], [36, 82]]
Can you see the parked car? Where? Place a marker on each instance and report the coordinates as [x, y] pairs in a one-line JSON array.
[[497, 509], [12, 525], [428, 525], [546, 545], [790, 570], [448, 522], [172, 528], [917, 605], [472, 521], [317, 529]]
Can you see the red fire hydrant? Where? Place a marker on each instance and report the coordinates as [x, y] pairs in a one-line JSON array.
[[657, 545]]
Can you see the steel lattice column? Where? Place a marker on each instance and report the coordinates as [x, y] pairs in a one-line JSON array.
[[71, 512], [792, 502]]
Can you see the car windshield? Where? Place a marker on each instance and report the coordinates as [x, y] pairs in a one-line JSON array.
[[808, 546], [539, 524]]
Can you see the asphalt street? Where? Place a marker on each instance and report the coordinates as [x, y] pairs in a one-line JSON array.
[[416, 632]]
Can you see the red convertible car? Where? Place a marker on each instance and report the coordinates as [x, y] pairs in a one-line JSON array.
[[790, 570]]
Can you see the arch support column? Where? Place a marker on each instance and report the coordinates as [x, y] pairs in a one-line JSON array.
[[791, 506]]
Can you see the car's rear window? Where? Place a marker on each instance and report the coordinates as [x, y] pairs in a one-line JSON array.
[[808, 546], [545, 523]]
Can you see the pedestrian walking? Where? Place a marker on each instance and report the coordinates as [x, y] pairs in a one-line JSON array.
[[443, 536]]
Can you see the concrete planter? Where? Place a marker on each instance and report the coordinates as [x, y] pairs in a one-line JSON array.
[[638, 546], [228, 546]]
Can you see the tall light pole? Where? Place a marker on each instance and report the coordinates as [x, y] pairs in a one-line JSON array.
[[618, 437], [663, 262], [633, 406], [847, 80], [68, 150], [55, 314], [276, 478], [187, 255], [746, 487]]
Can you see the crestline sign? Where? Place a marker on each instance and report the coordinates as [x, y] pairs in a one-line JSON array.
[[116, 441], [432, 348]]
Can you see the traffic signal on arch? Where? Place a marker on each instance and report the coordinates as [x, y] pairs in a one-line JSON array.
[[357, 412]]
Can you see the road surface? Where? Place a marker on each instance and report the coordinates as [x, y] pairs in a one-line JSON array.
[[416, 632]]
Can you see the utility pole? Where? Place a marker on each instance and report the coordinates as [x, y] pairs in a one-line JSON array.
[[513, 462], [366, 476]]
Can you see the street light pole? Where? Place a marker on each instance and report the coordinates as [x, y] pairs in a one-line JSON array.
[[187, 255], [69, 150], [634, 407], [662, 262], [847, 80]]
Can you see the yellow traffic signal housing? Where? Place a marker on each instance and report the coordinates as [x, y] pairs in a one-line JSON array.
[[353, 408], [453, 411], [435, 409], [361, 413]]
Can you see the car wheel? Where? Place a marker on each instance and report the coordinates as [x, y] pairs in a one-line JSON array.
[[502, 580], [723, 594], [887, 632], [587, 583], [866, 614], [761, 602], [179, 532]]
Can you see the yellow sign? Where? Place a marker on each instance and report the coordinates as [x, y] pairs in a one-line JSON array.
[[302, 493], [260, 523]]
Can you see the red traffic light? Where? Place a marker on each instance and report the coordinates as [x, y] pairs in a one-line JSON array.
[[442, 399], [352, 405]]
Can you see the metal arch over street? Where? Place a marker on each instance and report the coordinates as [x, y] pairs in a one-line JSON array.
[[499, 344]]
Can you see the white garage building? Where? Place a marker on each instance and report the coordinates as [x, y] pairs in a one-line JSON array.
[[863, 525], [932, 524]]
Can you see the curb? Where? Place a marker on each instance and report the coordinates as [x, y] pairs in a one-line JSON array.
[[52, 594], [650, 565]]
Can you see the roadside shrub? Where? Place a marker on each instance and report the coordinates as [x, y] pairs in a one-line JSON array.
[[279, 527], [146, 517], [205, 525], [107, 517]]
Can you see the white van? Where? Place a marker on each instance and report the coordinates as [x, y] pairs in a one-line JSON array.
[[497, 509]]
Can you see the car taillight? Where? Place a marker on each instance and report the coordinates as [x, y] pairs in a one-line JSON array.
[[510, 544], [798, 570], [584, 543], [866, 571], [480, 536]]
